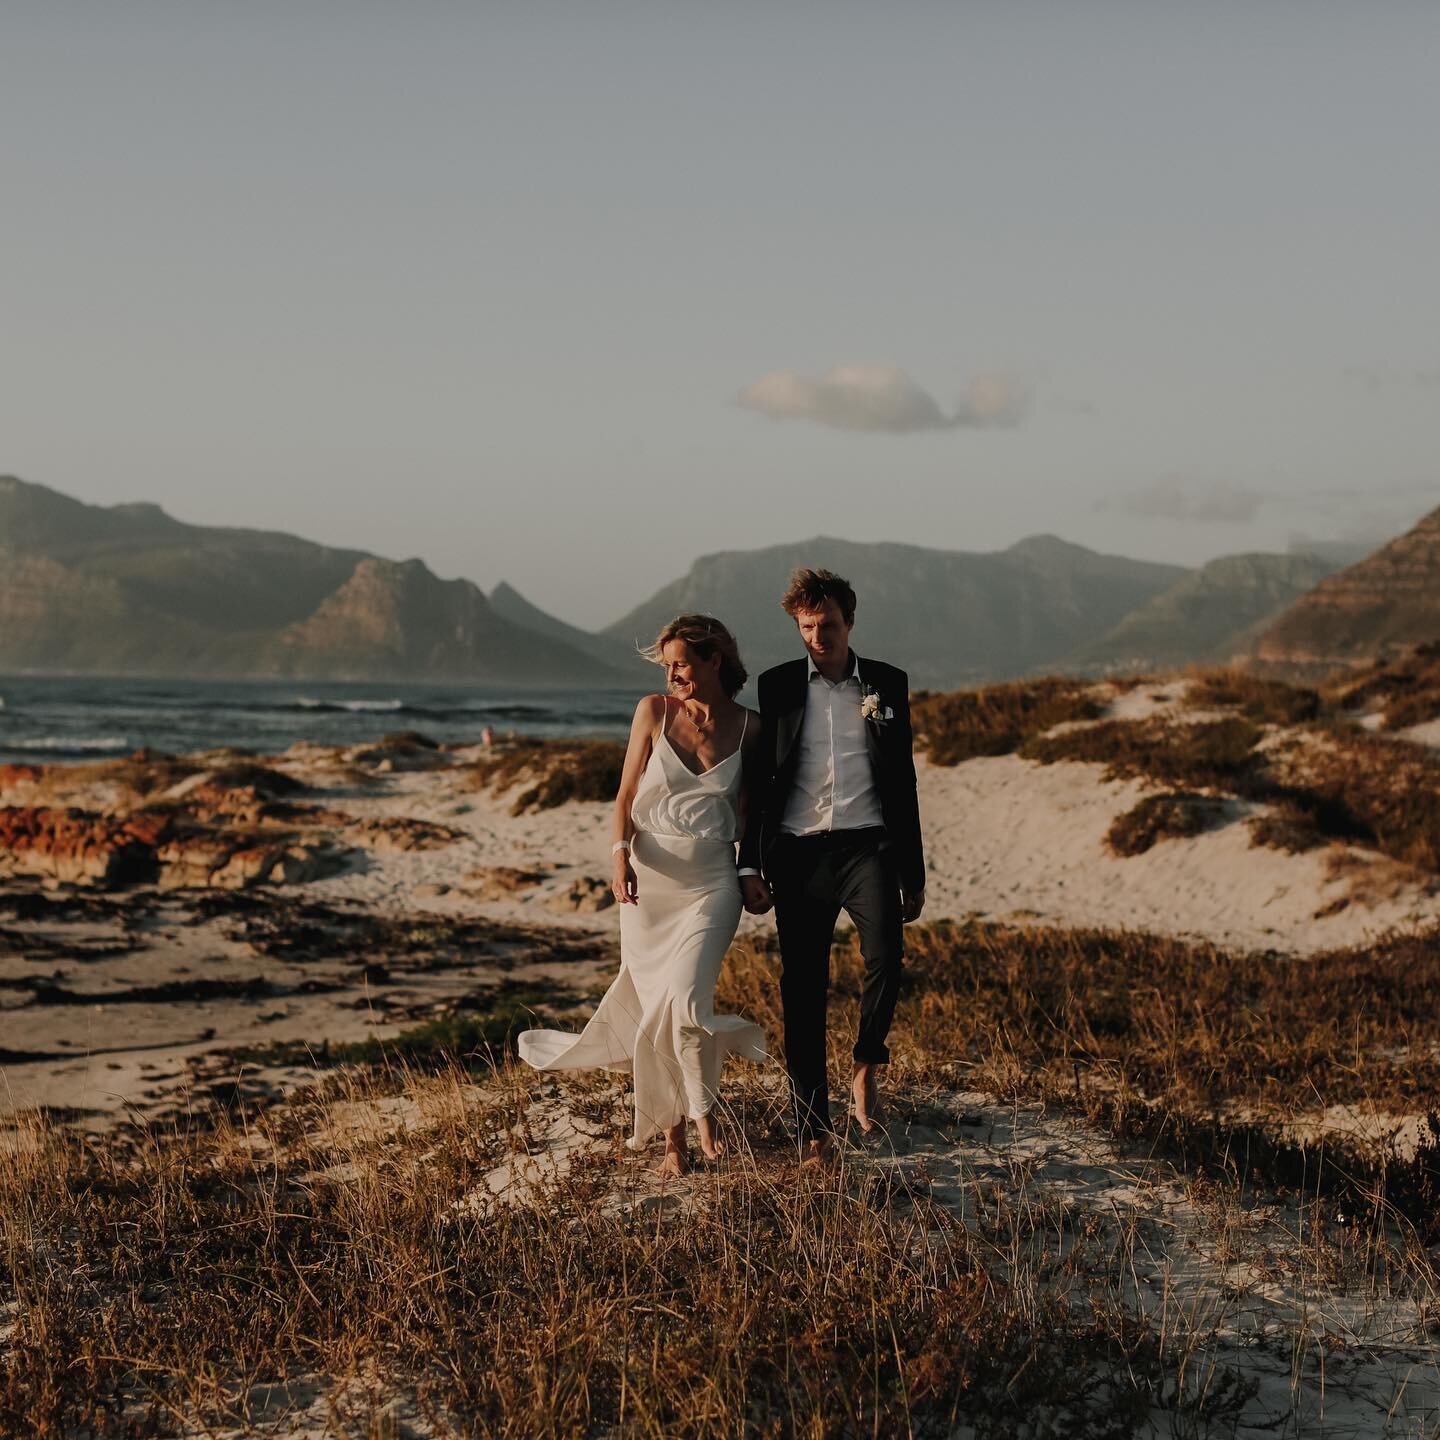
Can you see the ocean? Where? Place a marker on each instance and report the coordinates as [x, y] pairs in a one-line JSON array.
[[73, 718]]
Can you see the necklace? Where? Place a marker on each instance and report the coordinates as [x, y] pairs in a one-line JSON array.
[[701, 729]]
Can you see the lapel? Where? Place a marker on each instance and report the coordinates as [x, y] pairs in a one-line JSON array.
[[872, 731], [792, 715]]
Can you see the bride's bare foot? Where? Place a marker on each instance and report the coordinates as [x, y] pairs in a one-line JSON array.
[[675, 1164], [710, 1147], [866, 1091], [677, 1158]]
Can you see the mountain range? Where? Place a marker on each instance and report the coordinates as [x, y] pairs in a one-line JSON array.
[[949, 617], [127, 589]]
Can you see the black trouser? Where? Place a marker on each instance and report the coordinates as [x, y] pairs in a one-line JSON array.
[[814, 877]]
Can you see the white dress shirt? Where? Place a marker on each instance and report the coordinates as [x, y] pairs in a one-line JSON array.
[[834, 785]]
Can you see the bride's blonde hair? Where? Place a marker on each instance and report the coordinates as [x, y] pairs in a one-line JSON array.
[[705, 636]]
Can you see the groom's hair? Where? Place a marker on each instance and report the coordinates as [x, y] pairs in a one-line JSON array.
[[810, 589]]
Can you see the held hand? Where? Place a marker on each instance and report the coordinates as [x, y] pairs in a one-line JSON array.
[[755, 894], [622, 882], [912, 902]]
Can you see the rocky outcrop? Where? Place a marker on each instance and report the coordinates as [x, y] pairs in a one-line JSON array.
[[501, 882], [232, 825], [401, 832], [1380, 607], [77, 847], [73, 847], [240, 863], [589, 894]]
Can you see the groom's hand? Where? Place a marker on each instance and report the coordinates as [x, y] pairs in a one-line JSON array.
[[755, 894], [912, 902]]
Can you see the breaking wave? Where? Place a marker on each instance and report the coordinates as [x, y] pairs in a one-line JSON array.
[[63, 744]]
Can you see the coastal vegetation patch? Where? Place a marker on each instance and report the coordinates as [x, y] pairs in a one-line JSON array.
[[1335, 783], [552, 772], [997, 719], [172, 1288], [1216, 1053], [1405, 689], [1218, 755], [476, 1032], [163, 1280], [1172, 816], [1262, 700]]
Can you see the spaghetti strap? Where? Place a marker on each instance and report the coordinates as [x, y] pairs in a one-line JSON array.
[[745, 722]]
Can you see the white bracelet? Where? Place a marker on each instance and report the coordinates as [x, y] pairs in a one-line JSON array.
[[620, 845]]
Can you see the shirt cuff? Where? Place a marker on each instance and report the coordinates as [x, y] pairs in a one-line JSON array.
[[747, 870]]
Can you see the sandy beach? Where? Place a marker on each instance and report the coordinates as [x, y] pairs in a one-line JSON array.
[[296, 909], [424, 893]]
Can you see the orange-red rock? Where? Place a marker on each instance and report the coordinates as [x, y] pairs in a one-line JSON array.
[[72, 845]]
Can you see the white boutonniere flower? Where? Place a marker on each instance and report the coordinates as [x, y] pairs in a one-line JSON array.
[[871, 708]]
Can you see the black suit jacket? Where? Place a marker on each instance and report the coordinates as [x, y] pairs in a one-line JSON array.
[[772, 769]]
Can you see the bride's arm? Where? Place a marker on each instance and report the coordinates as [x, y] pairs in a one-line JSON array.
[[649, 715]]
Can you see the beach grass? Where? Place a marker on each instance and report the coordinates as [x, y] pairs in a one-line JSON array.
[[354, 1242], [997, 719], [552, 772]]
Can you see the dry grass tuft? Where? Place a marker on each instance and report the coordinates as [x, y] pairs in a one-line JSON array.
[[1407, 689], [1374, 879], [1331, 783], [155, 1284], [997, 719], [1174, 815], [1289, 827], [166, 1286], [558, 771], [1364, 788], [1208, 1052], [1266, 702], [1215, 755]]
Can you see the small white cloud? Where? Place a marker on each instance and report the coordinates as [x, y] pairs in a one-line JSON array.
[[1221, 503], [881, 397], [993, 400]]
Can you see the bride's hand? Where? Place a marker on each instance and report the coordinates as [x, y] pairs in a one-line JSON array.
[[622, 882], [755, 894]]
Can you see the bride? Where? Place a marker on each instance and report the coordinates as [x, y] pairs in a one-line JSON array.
[[677, 818]]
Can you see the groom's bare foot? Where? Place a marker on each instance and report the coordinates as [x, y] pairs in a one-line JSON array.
[[866, 1090], [819, 1154]]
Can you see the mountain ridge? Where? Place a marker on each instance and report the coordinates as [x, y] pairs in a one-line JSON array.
[[131, 590], [949, 617], [1386, 602], [1208, 616]]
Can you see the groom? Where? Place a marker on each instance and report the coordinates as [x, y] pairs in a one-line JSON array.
[[833, 825]]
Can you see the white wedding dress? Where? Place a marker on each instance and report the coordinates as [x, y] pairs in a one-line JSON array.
[[657, 1019]]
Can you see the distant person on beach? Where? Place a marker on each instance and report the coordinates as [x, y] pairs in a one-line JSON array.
[[833, 824], [677, 818]]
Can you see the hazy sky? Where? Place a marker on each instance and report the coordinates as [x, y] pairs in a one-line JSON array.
[[568, 295]]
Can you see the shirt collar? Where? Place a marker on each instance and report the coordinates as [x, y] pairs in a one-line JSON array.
[[853, 673]]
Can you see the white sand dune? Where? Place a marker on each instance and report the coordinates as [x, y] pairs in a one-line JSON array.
[[1006, 839]]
